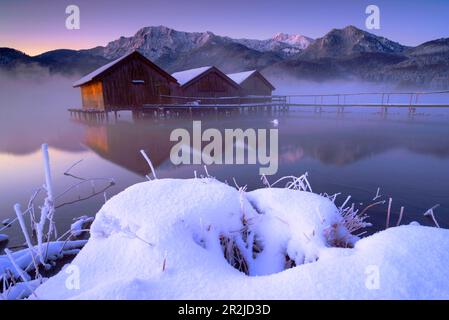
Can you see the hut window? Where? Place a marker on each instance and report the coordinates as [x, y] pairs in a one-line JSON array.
[[138, 81]]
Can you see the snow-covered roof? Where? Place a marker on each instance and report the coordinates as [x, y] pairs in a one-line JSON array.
[[185, 76], [88, 77], [91, 76], [241, 76]]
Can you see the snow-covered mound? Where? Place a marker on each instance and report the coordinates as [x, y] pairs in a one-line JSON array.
[[185, 239]]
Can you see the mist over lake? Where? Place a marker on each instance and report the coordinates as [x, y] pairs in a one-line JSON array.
[[352, 153], [236, 151]]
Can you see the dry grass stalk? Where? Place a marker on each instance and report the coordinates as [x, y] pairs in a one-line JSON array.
[[372, 205], [147, 159], [233, 254], [387, 225], [377, 196], [401, 213], [429, 213]]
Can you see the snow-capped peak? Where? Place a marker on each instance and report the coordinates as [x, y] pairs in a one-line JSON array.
[[295, 40], [157, 41]]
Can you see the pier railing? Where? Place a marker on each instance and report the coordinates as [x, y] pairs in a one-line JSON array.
[[384, 100], [220, 101]]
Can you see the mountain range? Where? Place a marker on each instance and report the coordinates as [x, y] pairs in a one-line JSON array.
[[348, 53]]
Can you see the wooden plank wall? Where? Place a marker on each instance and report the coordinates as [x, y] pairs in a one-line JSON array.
[[120, 91], [212, 84], [254, 85], [92, 96]]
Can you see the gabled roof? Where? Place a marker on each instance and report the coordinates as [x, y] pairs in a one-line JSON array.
[[240, 77], [186, 77], [96, 74], [90, 76]]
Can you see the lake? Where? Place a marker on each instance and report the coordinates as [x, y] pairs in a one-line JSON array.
[[352, 153]]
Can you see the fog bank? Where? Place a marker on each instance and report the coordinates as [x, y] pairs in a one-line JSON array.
[[33, 106]]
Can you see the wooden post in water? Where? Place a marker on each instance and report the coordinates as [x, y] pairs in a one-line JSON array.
[[410, 108]]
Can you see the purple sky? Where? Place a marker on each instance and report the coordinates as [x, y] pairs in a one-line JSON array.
[[37, 26]]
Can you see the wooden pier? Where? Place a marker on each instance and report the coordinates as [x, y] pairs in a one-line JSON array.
[[275, 103], [177, 110]]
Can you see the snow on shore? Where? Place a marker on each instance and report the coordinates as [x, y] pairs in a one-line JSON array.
[[165, 239]]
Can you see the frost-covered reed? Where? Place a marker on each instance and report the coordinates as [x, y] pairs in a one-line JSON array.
[[22, 269]]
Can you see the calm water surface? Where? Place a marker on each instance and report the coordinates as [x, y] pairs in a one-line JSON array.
[[352, 153]]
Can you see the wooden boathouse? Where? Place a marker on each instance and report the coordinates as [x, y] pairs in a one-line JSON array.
[[128, 82], [252, 83], [205, 82], [133, 82]]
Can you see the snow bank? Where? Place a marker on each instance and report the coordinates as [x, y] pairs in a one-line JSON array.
[[296, 222], [165, 239]]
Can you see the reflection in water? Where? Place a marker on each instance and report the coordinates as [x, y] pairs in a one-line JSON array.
[[353, 153], [120, 143], [332, 141]]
